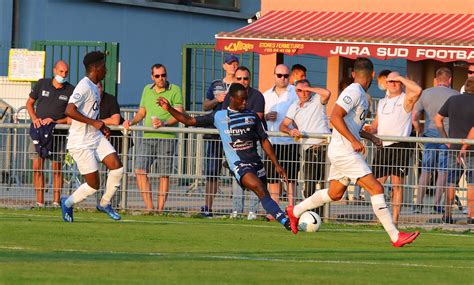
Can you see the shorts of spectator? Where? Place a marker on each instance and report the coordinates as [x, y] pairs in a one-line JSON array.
[[161, 150], [288, 156], [59, 146], [393, 159], [435, 157], [214, 155], [457, 168], [314, 167]]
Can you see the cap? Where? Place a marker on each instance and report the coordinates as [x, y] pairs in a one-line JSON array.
[[230, 58], [93, 57]]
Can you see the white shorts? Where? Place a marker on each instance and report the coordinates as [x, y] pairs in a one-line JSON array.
[[87, 160], [353, 166]]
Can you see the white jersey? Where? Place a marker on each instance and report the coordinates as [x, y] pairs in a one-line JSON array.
[[354, 102], [86, 97], [393, 119]]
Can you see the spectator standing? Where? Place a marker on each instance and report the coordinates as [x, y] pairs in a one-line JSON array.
[[214, 97], [394, 119], [298, 72], [51, 96], [470, 73], [308, 115], [256, 103], [461, 122], [435, 156], [278, 100], [156, 146]]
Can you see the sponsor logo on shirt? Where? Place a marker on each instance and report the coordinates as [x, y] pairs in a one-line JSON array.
[[45, 93], [236, 131], [249, 120], [241, 145], [261, 172], [63, 97]]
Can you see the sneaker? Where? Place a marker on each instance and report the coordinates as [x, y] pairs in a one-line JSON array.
[[109, 211], [56, 205], [66, 211], [206, 213], [234, 215], [437, 210], [252, 216], [470, 221], [39, 205], [447, 220], [293, 219], [405, 238], [287, 225], [458, 203]]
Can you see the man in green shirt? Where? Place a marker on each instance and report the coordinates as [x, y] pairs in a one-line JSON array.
[[154, 145]]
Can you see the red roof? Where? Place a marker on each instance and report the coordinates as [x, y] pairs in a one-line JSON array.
[[415, 36]]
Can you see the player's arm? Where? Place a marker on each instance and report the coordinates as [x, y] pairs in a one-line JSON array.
[[337, 120], [268, 149], [71, 111], [179, 116], [172, 121]]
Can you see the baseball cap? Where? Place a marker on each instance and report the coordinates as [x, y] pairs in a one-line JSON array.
[[230, 58]]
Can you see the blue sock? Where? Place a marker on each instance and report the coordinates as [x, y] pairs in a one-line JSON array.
[[273, 209]]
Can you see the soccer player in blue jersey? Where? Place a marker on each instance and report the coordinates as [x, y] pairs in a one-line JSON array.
[[240, 129]]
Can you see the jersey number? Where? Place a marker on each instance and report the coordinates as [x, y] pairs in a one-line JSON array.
[[95, 107]]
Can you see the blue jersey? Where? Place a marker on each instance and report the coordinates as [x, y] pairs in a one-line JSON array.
[[239, 131]]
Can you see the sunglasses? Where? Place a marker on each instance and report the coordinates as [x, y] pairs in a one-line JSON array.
[[299, 90], [279, 75], [470, 72], [242, 78], [159, 75]]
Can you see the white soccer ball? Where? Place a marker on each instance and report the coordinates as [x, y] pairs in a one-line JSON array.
[[309, 222]]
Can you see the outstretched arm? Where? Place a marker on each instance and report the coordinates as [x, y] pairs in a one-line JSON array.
[[180, 117]]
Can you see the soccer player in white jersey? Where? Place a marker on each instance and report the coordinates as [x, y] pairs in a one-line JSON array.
[[345, 153], [87, 141]]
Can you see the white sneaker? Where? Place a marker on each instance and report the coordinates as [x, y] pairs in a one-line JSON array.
[[233, 215], [252, 216]]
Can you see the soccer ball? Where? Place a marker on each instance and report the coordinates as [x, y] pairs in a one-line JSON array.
[[309, 222]]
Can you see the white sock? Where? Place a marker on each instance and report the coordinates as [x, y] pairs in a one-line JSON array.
[[384, 216], [114, 180], [316, 200], [80, 195]]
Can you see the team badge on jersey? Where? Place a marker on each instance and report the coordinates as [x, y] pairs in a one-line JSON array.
[[63, 97], [45, 93], [347, 99]]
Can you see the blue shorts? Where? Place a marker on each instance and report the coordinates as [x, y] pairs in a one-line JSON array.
[[161, 150], [435, 157], [457, 169], [242, 168], [214, 155]]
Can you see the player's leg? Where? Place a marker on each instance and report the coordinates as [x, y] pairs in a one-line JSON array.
[[254, 179], [375, 189], [38, 179]]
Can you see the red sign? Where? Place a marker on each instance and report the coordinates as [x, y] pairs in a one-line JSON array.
[[379, 51]]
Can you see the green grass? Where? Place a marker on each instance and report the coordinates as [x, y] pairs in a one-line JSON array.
[[36, 247]]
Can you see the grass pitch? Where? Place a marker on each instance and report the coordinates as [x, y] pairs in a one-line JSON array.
[[37, 247]]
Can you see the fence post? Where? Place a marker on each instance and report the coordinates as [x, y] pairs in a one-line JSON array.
[[125, 168]]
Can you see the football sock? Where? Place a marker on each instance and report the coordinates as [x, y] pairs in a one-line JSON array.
[[272, 207], [314, 201], [384, 216], [114, 180], [80, 195]]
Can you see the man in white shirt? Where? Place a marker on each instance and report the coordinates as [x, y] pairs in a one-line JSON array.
[[345, 153], [87, 141], [277, 101], [308, 115], [394, 118]]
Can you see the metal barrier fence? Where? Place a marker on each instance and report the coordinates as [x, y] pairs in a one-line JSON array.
[[184, 160]]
